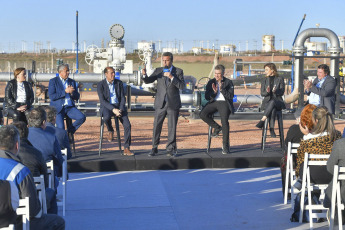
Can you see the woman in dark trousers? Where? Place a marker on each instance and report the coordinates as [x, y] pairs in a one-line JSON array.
[[19, 96], [272, 89]]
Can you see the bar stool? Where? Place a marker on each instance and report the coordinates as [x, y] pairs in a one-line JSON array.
[[210, 132], [117, 127], [70, 135], [279, 115]]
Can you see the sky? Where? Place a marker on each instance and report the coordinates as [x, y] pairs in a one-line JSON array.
[[23, 22]]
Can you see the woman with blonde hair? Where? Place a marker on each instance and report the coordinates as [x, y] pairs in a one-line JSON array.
[[319, 141], [272, 89], [19, 96]]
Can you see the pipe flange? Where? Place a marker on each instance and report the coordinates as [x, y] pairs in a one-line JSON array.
[[117, 43], [335, 50], [299, 51]]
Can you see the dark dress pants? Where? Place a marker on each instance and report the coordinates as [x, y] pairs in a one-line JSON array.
[[16, 115], [223, 109], [160, 115], [270, 112], [73, 113], [107, 114]]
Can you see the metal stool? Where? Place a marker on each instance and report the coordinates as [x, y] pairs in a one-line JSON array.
[[279, 115], [117, 127], [209, 138], [70, 135]]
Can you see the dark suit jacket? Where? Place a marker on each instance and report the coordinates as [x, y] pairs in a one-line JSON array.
[[57, 92], [33, 159], [48, 144], [104, 95], [326, 92], [61, 136], [227, 91], [277, 95], [172, 89], [11, 95]]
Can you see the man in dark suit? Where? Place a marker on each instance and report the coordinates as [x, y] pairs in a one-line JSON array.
[[60, 134], [322, 90], [63, 91], [112, 98], [220, 94], [167, 102]]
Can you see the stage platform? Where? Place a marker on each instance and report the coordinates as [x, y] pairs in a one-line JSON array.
[[240, 157]]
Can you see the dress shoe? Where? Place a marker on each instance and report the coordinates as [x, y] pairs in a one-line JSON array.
[[216, 132], [226, 150], [153, 152], [127, 152], [260, 124], [273, 134], [172, 153], [110, 136]]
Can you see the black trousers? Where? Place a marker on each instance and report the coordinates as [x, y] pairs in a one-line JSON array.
[[270, 112], [223, 108], [107, 114], [16, 115]]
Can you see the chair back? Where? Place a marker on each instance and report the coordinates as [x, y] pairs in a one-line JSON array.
[[63, 181], [336, 202], [50, 170], [24, 210], [41, 192], [290, 175]]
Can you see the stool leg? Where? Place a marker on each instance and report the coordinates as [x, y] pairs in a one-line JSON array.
[[100, 137], [117, 126], [264, 134], [281, 131], [209, 139]]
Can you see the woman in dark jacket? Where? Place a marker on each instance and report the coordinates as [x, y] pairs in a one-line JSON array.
[[19, 96], [272, 89]]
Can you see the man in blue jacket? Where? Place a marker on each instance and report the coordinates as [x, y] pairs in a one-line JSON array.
[[63, 91]]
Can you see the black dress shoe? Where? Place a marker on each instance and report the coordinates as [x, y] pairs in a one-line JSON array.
[[216, 132], [260, 124], [273, 134], [172, 153], [153, 152]]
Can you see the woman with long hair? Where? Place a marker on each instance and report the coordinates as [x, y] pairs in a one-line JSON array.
[[272, 89], [319, 141], [19, 96]]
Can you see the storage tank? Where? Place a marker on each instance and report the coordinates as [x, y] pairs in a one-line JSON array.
[[315, 46], [342, 42], [227, 49], [268, 42]]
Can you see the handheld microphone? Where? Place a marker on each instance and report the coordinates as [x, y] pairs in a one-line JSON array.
[[166, 69]]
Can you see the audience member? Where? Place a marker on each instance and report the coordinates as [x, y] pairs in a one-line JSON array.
[[9, 147], [44, 141], [33, 159], [319, 141], [9, 201], [60, 133], [19, 96]]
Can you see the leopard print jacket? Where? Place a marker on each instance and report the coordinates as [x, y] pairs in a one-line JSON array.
[[317, 145]]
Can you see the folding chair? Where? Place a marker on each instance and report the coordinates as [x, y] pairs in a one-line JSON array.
[[24, 211], [290, 176], [50, 170], [63, 181], [10, 227], [338, 176], [312, 160], [41, 192]]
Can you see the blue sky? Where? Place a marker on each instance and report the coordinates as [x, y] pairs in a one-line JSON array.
[[189, 21]]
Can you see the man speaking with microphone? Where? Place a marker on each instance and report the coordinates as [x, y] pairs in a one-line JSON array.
[[167, 102]]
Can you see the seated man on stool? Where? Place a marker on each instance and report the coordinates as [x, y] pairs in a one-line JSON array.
[[219, 93], [63, 91], [112, 98]]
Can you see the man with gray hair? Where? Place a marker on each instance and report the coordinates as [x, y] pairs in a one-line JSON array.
[[60, 134], [220, 94], [63, 91], [13, 170]]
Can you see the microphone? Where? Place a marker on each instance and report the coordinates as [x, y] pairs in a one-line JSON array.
[[166, 69]]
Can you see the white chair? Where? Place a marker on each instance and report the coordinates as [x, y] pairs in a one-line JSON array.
[[51, 175], [307, 186], [338, 176], [41, 192], [63, 181], [10, 227], [24, 211], [290, 176]]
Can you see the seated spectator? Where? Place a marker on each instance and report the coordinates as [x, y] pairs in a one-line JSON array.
[[9, 146], [8, 206], [33, 159], [60, 133], [44, 141], [319, 141]]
